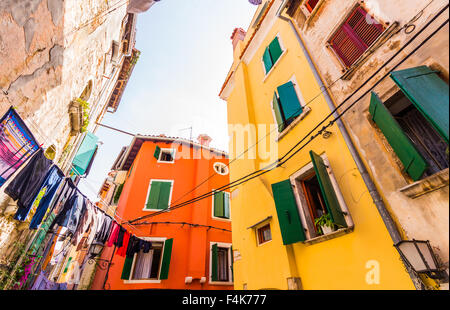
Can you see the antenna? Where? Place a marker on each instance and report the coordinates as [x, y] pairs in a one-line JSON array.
[[190, 136]]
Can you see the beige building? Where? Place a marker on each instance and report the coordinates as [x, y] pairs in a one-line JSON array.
[[52, 53], [385, 64]]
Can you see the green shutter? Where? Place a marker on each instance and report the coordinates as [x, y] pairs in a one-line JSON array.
[[429, 93], [232, 264], [85, 153], [157, 151], [153, 195], [164, 274], [415, 165], [278, 113], [127, 268], [164, 195], [327, 190], [219, 204], [226, 206], [289, 101], [214, 263], [288, 217], [267, 60], [275, 50]]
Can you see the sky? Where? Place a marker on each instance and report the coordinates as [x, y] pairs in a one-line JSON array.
[[186, 53]]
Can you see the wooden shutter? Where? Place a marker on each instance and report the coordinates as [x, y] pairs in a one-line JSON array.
[[275, 50], [355, 36], [327, 190], [214, 263], [153, 195], [267, 60], [127, 268], [157, 152], [165, 265], [414, 164], [288, 217], [219, 204], [278, 113], [289, 101], [164, 195], [429, 94], [226, 205]]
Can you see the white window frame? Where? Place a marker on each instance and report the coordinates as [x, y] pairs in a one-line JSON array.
[[302, 205], [152, 239], [306, 109], [283, 48], [212, 207], [148, 192], [172, 150], [218, 163], [263, 224], [230, 257]]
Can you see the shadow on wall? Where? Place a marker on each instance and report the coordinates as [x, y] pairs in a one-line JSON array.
[[31, 51]]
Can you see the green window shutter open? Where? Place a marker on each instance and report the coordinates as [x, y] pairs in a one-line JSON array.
[[165, 265], [429, 94], [275, 50], [288, 217], [267, 60], [232, 264], [159, 194], [214, 264], [157, 152], [219, 204], [278, 113], [327, 190], [289, 101], [226, 207], [127, 268], [415, 165]]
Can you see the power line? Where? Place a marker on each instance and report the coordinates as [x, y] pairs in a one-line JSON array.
[[282, 160]]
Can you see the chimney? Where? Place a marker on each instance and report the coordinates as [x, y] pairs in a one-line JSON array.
[[204, 140], [238, 35]]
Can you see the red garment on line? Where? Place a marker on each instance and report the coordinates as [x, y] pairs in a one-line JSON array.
[[122, 251], [114, 234]]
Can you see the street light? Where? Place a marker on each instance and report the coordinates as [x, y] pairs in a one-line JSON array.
[[95, 250], [420, 257]]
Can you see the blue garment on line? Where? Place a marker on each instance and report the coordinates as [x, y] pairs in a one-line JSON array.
[[52, 182]]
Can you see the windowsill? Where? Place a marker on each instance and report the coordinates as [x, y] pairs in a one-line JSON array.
[[156, 210], [165, 162], [334, 234], [305, 112], [349, 71], [427, 185], [263, 243], [140, 281], [221, 219], [274, 66], [220, 283]]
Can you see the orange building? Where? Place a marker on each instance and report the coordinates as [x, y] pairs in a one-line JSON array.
[[191, 245]]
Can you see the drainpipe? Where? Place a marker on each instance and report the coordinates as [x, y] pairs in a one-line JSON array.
[[378, 201]]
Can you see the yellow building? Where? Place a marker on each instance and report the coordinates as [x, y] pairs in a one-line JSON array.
[[274, 101]]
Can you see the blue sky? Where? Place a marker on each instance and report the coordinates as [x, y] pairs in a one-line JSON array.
[[186, 53]]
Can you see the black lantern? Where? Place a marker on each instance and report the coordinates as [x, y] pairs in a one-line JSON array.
[[419, 256], [95, 249]]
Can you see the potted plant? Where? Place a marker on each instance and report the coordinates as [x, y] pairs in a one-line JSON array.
[[324, 224]]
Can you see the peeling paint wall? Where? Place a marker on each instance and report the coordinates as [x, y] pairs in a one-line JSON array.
[[49, 51], [427, 216]]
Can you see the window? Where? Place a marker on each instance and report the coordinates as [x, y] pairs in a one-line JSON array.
[[355, 36], [221, 205], [286, 105], [221, 168], [221, 263], [153, 265], [164, 155], [311, 191], [311, 5], [415, 121], [159, 195], [264, 234], [271, 54]]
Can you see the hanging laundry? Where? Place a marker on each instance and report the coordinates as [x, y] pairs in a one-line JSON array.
[[146, 246], [42, 283], [17, 144], [122, 251], [120, 236], [103, 233], [27, 184], [95, 222], [66, 191], [71, 212], [114, 234], [51, 183], [84, 223]]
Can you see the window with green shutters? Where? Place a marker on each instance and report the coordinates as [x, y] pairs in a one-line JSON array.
[[415, 121], [159, 195], [221, 205], [271, 54], [307, 199], [221, 263], [286, 105]]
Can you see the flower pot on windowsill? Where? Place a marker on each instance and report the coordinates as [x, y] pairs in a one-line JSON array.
[[324, 224], [327, 229], [76, 117]]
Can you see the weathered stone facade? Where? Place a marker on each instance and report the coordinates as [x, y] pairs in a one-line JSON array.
[[52, 52], [419, 208]]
